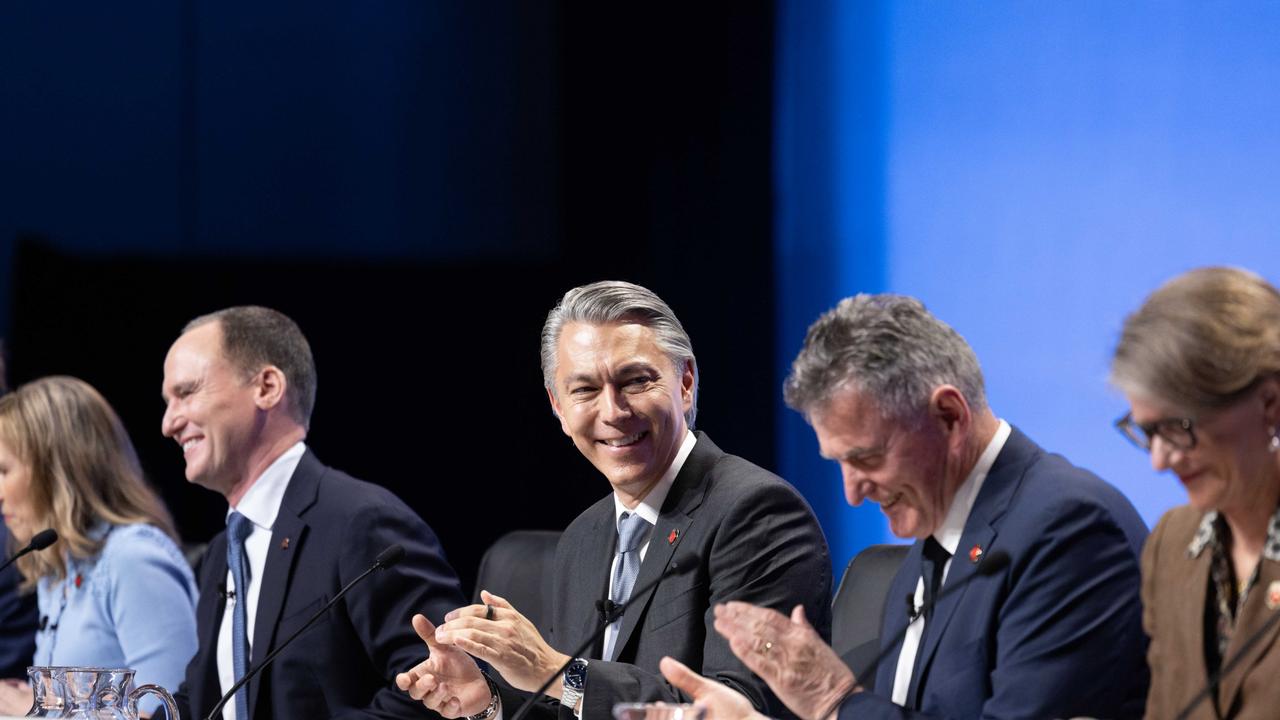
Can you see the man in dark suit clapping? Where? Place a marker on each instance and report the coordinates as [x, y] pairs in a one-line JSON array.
[[621, 377]]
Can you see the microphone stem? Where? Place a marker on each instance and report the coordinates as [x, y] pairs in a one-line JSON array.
[[617, 613], [253, 672], [1228, 667]]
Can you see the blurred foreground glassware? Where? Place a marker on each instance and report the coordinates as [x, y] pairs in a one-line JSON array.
[[657, 711], [90, 693]]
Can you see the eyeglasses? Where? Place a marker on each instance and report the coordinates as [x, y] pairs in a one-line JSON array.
[[1178, 432]]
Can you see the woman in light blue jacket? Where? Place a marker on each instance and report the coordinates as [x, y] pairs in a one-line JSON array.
[[114, 590]]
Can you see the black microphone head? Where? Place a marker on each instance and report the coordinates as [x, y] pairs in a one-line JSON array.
[[390, 556], [993, 562], [43, 539]]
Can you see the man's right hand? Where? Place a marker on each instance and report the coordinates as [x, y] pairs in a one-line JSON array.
[[720, 701], [448, 681]]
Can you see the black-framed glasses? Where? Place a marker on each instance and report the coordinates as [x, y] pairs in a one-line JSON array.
[[1178, 432]]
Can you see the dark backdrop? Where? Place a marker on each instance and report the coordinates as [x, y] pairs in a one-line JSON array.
[[415, 183]]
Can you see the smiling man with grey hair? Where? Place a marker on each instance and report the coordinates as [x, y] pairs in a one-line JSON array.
[[897, 400], [622, 380]]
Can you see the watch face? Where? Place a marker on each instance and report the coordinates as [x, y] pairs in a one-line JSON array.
[[575, 676]]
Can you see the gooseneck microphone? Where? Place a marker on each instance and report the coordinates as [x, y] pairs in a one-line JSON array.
[[385, 559], [994, 562], [1228, 666], [609, 612], [39, 541]]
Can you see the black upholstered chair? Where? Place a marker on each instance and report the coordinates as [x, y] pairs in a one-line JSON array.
[[518, 567], [858, 608]]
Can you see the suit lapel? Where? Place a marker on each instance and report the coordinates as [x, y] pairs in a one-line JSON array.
[[212, 604], [980, 530], [962, 568], [685, 496], [278, 569], [895, 618], [592, 560], [1254, 615], [1190, 615]]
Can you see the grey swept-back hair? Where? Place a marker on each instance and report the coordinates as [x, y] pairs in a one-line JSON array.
[[254, 337], [615, 301], [889, 347], [1201, 339]]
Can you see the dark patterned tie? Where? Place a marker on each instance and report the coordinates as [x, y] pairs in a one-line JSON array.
[[238, 528]]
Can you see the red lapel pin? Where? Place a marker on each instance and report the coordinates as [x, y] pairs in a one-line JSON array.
[[975, 554], [675, 535], [79, 579]]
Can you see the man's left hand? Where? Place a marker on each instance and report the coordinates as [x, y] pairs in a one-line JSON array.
[[506, 640], [788, 654]]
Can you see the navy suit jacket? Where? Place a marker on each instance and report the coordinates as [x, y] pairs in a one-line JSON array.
[[738, 532], [1058, 633], [329, 530]]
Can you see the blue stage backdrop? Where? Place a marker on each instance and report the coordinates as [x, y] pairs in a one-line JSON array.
[[1031, 172]]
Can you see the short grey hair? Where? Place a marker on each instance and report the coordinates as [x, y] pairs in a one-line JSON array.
[[615, 301], [888, 346], [254, 337]]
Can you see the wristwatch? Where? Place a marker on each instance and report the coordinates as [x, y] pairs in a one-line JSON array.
[[575, 681]]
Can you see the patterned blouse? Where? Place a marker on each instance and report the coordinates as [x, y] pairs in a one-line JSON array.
[[1226, 594]]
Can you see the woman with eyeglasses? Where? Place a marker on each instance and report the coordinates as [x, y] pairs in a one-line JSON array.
[[1199, 363]]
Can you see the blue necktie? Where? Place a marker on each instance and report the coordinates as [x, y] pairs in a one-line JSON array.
[[632, 531], [238, 528]]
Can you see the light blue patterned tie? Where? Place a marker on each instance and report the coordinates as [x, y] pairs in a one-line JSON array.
[[632, 532], [238, 528]]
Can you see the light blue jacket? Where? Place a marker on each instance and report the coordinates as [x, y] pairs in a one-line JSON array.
[[133, 605]]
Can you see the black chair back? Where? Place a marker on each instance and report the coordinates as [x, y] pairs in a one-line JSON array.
[[518, 567], [858, 609]]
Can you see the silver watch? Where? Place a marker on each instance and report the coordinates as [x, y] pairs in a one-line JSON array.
[[575, 681]]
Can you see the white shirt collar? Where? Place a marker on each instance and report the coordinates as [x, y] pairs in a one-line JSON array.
[[948, 534], [651, 505], [261, 503]]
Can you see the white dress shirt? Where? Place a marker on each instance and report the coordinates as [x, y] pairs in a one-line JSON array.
[[948, 536], [260, 504], [648, 508]]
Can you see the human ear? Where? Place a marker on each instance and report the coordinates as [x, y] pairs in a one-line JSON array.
[[272, 386]]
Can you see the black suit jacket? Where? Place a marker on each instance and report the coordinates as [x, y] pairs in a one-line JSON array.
[[738, 533], [329, 529]]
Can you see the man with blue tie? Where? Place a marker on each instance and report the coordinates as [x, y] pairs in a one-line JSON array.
[[620, 375], [239, 386], [897, 399]]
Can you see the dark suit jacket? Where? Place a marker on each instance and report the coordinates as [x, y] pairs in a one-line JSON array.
[[1057, 634], [1174, 592], [343, 666], [738, 533], [17, 620]]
